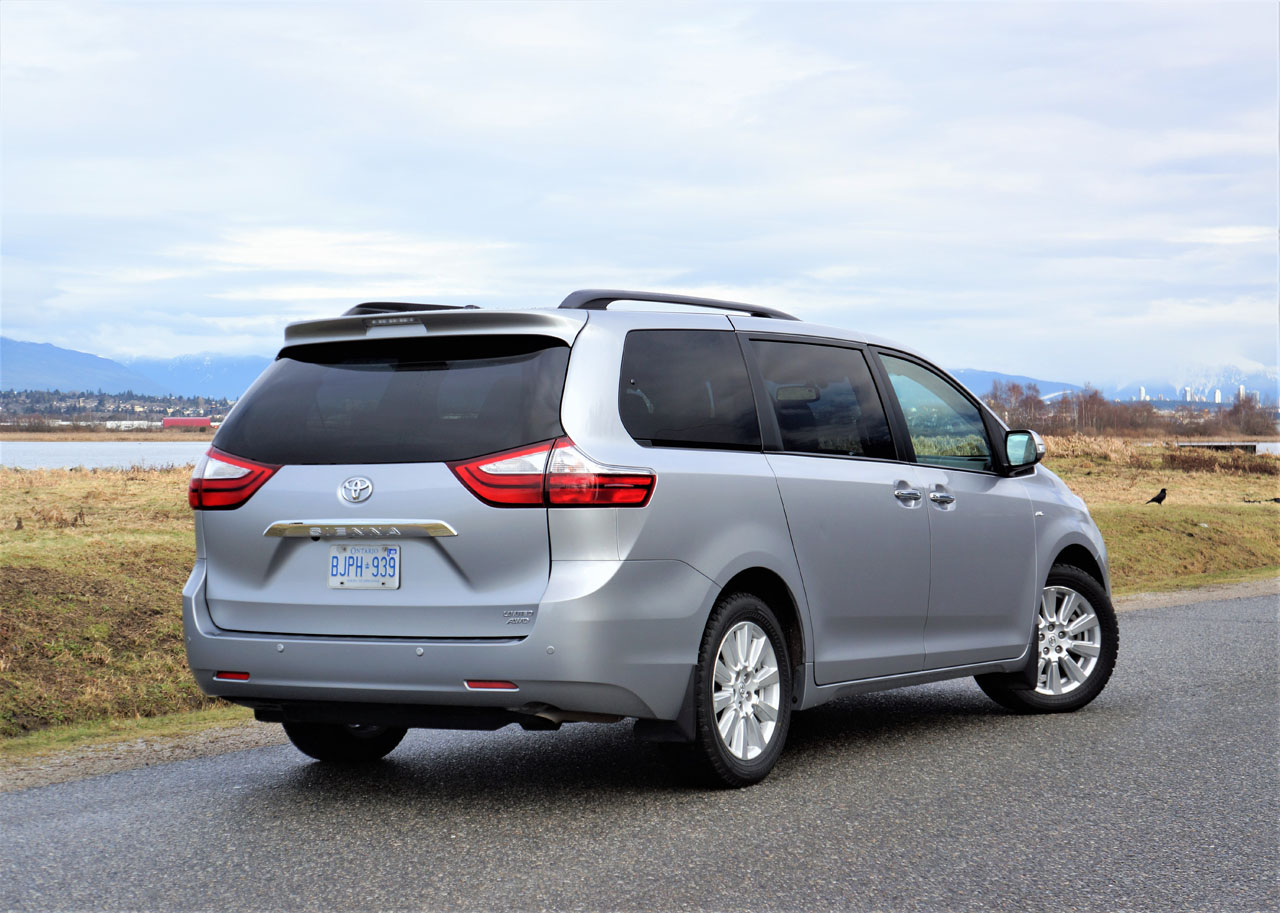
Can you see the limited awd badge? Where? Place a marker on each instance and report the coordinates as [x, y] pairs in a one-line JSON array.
[[355, 489]]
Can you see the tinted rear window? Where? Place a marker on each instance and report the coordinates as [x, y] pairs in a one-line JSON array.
[[400, 401], [687, 388], [824, 399]]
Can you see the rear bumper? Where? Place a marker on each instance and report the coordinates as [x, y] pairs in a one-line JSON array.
[[611, 637]]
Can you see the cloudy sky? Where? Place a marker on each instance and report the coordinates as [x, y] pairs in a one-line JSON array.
[[1084, 192]]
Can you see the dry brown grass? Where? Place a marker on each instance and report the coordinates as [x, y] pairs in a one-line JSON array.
[[90, 501], [1207, 529], [1112, 471], [1188, 459], [90, 604], [1120, 451]]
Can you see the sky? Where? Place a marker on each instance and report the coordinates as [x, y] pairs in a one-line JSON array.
[[1078, 192]]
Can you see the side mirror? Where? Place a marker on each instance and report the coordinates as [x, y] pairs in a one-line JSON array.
[[1023, 448]]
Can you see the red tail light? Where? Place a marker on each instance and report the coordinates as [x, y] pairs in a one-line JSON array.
[[221, 481], [574, 479], [513, 478], [553, 474], [486, 685]]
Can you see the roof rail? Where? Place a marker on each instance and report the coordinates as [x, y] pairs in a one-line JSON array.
[[398, 307], [599, 299]]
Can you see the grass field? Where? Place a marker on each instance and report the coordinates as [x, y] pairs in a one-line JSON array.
[[90, 604], [1205, 532], [90, 596]]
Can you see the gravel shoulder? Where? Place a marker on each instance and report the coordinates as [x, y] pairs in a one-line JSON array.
[[95, 760], [1266, 586]]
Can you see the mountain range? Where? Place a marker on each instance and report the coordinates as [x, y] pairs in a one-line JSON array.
[[42, 366]]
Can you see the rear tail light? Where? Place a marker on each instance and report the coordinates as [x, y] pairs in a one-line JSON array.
[[574, 479], [231, 676], [553, 474], [221, 481], [513, 478]]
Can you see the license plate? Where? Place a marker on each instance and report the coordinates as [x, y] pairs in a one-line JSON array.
[[364, 567]]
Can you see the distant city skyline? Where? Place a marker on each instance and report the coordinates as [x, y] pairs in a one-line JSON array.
[[1079, 191], [43, 366]]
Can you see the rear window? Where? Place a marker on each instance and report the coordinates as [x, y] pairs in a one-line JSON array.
[[400, 401], [687, 388]]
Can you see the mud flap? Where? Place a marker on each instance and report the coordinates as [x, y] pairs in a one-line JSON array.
[[681, 729], [1025, 679]]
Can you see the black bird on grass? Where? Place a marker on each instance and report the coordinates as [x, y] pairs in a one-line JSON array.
[[1158, 499]]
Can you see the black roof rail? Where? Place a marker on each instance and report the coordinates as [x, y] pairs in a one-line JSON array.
[[599, 299], [399, 307]]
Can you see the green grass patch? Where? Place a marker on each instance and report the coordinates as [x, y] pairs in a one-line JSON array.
[[1161, 548]]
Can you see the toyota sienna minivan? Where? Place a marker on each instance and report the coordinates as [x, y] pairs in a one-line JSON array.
[[705, 517]]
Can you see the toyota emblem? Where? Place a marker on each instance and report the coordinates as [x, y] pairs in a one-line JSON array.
[[356, 489]]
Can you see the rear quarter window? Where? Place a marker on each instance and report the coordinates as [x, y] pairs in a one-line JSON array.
[[687, 388], [400, 401]]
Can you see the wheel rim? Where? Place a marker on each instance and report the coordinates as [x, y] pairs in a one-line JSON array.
[[746, 691], [1069, 641]]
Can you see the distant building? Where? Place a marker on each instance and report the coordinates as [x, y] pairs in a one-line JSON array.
[[202, 421], [1240, 394], [1186, 394], [1217, 396], [129, 425], [1142, 394]]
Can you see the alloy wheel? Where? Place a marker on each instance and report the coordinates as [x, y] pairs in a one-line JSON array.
[[746, 691], [1069, 641]]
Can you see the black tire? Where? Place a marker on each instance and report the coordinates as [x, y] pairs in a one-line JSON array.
[[344, 743], [718, 763], [1016, 690]]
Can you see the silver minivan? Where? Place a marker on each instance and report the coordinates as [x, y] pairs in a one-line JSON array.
[[704, 516]]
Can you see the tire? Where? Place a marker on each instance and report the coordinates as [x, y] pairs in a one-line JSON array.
[[748, 691], [1066, 645], [344, 743]]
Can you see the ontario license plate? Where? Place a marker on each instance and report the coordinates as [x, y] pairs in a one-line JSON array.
[[364, 567]]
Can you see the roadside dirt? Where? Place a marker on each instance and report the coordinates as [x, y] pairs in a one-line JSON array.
[[1266, 586], [112, 757], [95, 760]]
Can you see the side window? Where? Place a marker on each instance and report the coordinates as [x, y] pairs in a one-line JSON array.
[[946, 428], [824, 399], [687, 388]]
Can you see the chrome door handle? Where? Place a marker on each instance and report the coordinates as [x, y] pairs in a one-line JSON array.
[[906, 494], [941, 497]]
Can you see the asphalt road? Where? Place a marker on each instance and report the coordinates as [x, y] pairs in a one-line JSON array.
[[1162, 795]]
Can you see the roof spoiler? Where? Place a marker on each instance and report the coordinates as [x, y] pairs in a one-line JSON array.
[[399, 307]]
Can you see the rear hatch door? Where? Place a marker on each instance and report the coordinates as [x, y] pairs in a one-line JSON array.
[[364, 530]]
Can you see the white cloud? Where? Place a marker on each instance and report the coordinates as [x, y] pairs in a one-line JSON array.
[[1018, 186]]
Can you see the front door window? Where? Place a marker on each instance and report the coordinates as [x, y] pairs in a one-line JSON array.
[[945, 426]]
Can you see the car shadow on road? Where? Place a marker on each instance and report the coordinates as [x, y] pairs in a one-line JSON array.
[[582, 759]]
